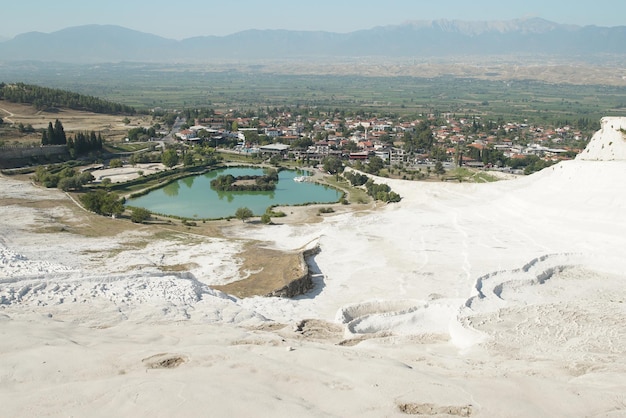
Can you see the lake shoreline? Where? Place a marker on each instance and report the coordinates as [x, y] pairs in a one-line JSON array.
[[205, 205]]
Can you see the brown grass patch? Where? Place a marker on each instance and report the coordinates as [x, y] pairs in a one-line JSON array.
[[268, 270], [111, 126]]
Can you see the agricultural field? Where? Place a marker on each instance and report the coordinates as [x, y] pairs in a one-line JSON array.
[[549, 95]]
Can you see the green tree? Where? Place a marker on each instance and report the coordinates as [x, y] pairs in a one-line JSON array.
[[70, 183], [275, 160], [375, 165], [140, 215], [438, 153], [302, 143], [266, 218], [332, 165], [188, 159], [169, 158], [103, 203], [386, 138], [43, 98], [439, 170], [115, 163], [59, 133], [28, 128], [50, 134], [45, 178], [251, 136], [243, 213], [106, 182], [86, 177]]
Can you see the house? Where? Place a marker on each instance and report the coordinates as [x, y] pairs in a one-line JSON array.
[[321, 147], [273, 132], [186, 134], [274, 149]]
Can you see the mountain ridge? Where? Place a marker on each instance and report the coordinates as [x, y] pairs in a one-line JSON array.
[[434, 38]]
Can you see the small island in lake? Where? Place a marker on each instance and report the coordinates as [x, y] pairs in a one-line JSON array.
[[230, 183]]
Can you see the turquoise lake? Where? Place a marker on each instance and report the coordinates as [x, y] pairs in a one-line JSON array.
[[193, 197]]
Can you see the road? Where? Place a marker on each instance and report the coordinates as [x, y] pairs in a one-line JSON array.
[[10, 115], [171, 137]]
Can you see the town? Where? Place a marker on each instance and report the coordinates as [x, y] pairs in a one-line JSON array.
[[399, 142]]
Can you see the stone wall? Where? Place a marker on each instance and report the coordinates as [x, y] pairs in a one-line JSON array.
[[11, 157]]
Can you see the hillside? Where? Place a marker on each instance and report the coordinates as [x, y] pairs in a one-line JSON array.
[[481, 300], [112, 126], [442, 38], [44, 98], [608, 144]]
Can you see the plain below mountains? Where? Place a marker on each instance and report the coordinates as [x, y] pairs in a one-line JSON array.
[[441, 38]]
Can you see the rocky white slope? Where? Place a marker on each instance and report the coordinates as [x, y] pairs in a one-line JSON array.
[[504, 299]]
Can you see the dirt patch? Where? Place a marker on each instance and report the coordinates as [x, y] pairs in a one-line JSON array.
[[268, 326], [429, 409], [266, 271], [317, 329], [244, 183], [351, 342], [179, 267], [164, 361]]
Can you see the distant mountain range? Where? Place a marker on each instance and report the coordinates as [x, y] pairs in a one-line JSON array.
[[439, 38]]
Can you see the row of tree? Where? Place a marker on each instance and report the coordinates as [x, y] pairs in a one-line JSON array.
[[141, 133], [80, 144], [54, 135], [380, 192], [46, 98], [84, 143]]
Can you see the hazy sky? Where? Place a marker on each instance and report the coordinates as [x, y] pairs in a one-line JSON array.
[[187, 18]]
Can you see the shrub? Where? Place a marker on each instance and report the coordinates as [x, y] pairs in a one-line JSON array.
[[243, 213], [115, 163], [140, 215], [274, 214], [70, 183], [103, 203]]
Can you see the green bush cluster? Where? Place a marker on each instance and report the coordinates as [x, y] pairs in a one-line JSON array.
[[140, 215], [65, 179], [531, 164], [271, 212], [382, 192], [103, 203], [356, 179], [326, 210]]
